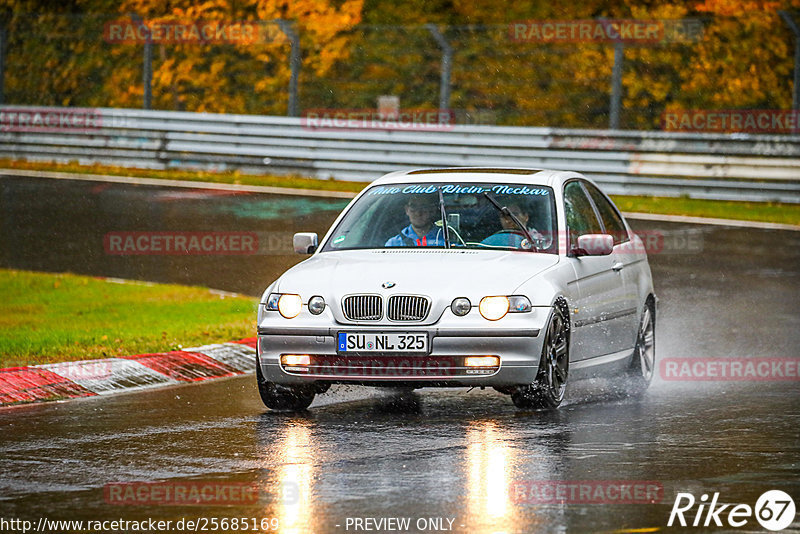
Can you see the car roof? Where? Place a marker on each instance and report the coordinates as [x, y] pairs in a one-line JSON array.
[[548, 177]]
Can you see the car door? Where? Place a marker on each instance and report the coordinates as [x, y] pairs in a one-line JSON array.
[[626, 263], [599, 287]]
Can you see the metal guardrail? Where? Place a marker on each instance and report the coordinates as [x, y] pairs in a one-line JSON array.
[[712, 166]]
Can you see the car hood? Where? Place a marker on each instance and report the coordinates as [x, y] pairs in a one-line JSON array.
[[439, 274]]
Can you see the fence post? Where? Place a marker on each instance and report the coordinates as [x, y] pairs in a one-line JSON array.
[[3, 47], [447, 64], [147, 73], [294, 65], [616, 86], [793, 26], [147, 62]]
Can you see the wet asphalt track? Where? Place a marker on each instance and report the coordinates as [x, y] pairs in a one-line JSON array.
[[446, 455]]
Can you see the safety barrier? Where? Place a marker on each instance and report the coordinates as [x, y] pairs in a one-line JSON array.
[[697, 165]]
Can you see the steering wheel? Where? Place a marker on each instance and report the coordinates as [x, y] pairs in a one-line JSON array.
[[512, 241], [510, 231]]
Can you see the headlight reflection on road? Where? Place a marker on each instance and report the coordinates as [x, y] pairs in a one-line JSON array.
[[295, 474], [488, 479]]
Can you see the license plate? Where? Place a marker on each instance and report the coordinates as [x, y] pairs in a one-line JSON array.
[[382, 342]]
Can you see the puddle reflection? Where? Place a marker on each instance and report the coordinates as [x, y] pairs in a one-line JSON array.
[[470, 468], [288, 476], [488, 459]]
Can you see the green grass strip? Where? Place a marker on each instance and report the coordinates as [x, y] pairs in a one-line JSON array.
[[49, 318]]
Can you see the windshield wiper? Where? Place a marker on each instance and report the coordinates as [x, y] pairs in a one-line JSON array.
[[505, 211], [444, 219]]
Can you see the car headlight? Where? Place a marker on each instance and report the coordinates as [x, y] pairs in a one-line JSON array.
[[287, 304], [316, 305], [461, 306], [494, 308]]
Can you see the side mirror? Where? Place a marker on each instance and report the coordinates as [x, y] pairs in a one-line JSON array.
[[305, 242], [594, 245]]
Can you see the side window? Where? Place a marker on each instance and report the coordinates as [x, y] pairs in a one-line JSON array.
[[579, 213], [611, 219]]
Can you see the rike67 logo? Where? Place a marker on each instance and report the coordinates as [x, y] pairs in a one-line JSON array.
[[774, 510]]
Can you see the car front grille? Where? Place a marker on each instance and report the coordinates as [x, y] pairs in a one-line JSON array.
[[408, 308], [363, 307]]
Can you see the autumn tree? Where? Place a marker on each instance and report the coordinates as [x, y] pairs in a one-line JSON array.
[[356, 50], [237, 77], [745, 59]]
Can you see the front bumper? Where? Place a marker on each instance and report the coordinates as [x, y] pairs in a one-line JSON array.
[[516, 340]]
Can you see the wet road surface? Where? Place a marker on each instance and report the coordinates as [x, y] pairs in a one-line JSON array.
[[465, 459], [54, 225]]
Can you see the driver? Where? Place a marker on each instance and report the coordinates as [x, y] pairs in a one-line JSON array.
[[421, 211]]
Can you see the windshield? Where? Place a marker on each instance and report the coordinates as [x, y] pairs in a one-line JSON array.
[[479, 215]]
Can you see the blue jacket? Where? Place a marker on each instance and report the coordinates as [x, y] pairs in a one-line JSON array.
[[409, 238]]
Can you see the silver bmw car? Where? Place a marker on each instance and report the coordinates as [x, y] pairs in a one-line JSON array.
[[516, 279]]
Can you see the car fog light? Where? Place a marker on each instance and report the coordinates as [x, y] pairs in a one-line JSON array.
[[481, 361], [494, 308], [290, 305], [316, 305], [461, 306], [296, 359]]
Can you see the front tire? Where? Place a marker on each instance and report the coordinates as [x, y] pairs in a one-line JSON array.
[[548, 389], [283, 398]]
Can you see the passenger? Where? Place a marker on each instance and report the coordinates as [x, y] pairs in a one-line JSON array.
[[519, 212], [422, 211], [511, 234]]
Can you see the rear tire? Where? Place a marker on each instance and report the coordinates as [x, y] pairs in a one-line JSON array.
[[283, 398], [548, 389], [643, 364]]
